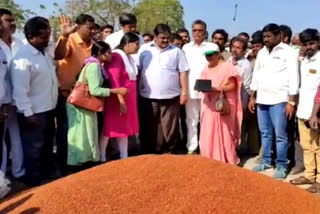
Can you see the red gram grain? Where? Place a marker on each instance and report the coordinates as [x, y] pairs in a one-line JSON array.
[[164, 184]]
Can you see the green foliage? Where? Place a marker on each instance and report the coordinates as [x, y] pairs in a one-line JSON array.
[[19, 13], [152, 12], [104, 11]]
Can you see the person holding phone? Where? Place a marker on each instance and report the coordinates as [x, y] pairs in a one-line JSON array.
[[309, 138]]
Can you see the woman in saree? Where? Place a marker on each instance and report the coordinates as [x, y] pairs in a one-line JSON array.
[[221, 126]]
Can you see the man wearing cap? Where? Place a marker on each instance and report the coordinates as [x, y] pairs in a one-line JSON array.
[[197, 62]]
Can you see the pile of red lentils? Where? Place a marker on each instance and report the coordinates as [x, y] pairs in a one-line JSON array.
[[164, 184]]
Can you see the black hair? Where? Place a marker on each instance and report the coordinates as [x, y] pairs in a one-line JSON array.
[[309, 35], [127, 19], [161, 28], [244, 34], [4, 11], [223, 33], [273, 28], [98, 27], [183, 30], [257, 37], [148, 34], [200, 22], [286, 30], [238, 39], [99, 47], [128, 38], [34, 25], [175, 36], [107, 26], [83, 19]]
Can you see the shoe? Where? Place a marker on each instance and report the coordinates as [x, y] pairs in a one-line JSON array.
[[261, 167], [191, 153], [314, 188], [258, 160], [296, 170], [281, 173]]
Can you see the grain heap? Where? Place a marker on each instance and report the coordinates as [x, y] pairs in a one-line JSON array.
[[164, 184]]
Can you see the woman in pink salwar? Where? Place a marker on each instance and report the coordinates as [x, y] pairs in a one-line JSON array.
[[120, 112], [220, 133]]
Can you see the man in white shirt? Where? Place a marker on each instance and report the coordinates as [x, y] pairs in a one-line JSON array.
[[35, 91], [128, 23], [309, 138], [10, 45], [163, 86], [197, 62], [5, 99], [274, 86], [238, 52]]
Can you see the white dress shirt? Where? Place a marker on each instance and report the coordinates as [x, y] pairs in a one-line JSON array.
[[310, 80], [276, 75], [160, 71], [197, 62], [5, 91], [114, 39], [16, 45], [34, 81], [245, 70]]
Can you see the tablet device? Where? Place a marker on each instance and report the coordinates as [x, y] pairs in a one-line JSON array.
[[203, 85]]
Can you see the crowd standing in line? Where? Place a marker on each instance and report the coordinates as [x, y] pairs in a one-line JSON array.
[[213, 96]]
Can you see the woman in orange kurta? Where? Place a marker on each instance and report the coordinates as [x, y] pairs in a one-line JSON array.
[[220, 133]]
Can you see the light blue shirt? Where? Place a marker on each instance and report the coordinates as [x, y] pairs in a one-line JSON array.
[[160, 71]]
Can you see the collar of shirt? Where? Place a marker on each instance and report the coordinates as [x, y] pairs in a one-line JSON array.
[[78, 39], [193, 44], [238, 62], [279, 46], [315, 57], [153, 44]]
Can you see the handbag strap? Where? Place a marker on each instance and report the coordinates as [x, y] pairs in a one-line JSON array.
[[84, 72]]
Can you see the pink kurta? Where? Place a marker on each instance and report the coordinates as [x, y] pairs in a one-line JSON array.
[[220, 134], [116, 125]]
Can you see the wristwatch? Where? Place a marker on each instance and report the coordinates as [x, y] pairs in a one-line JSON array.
[[292, 103]]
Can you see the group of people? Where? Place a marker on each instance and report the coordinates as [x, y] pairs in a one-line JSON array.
[[164, 90]]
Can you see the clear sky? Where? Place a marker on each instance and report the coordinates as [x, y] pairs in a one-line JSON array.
[[252, 14]]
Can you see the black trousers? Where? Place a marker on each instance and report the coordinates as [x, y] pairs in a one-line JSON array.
[[159, 124], [37, 144]]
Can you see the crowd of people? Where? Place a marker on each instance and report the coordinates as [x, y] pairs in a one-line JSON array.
[[220, 97]]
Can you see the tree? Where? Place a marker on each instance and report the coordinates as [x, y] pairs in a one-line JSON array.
[[152, 12], [20, 14], [104, 11]]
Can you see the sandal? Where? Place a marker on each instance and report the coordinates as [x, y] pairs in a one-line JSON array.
[[301, 181], [315, 188]]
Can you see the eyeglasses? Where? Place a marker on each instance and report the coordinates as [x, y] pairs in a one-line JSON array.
[[197, 30]]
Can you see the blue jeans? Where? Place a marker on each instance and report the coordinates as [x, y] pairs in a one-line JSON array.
[[272, 119]]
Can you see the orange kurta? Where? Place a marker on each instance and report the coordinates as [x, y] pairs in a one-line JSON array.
[[220, 134], [70, 67]]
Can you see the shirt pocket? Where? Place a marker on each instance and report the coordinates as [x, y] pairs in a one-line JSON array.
[[277, 64], [313, 79], [168, 62]]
